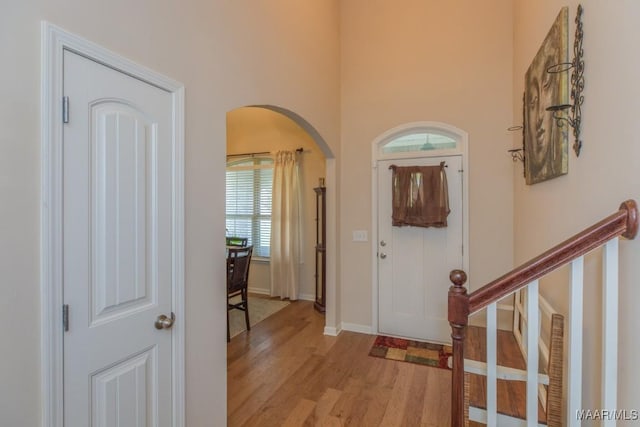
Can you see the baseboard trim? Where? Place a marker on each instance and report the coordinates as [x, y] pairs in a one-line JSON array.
[[262, 291], [307, 297], [331, 331], [354, 327]]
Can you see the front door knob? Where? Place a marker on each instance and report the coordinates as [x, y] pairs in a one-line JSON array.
[[383, 255], [164, 322]]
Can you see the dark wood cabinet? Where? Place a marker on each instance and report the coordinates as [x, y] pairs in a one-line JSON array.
[[321, 259]]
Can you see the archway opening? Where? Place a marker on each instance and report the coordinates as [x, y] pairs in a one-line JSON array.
[[254, 134]]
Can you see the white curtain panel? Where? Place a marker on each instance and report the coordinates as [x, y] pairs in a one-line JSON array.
[[286, 226]]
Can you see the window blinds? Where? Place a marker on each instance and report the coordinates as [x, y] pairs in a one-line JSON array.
[[248, 203]]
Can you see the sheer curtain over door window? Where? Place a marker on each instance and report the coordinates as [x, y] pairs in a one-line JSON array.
[[248, 203], [286, 226]]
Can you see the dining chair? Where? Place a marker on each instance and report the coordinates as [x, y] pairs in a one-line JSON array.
[[237, 241], [238, 262]]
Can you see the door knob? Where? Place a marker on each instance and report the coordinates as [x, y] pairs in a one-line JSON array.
[[383, 255], [164, 322], [383, 243]]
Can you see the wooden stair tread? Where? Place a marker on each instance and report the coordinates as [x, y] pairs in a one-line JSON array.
[[512, 395]]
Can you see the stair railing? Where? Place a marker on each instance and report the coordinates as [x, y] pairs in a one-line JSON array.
[[461, 304]]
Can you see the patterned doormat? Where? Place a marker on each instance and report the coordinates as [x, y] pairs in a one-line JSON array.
[[422, 353]]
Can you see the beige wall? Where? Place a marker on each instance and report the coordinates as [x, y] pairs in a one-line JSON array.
[[228, 54], [606, 173], [254, 129], [456, 62], [416, 60]]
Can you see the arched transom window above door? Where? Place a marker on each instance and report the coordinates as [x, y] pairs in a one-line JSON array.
[[419, 141]]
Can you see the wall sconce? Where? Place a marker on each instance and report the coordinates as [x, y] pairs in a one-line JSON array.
[[516, 154], [571, 114]]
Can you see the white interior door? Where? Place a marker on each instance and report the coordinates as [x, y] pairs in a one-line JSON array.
[[117, 248], [414, 262]]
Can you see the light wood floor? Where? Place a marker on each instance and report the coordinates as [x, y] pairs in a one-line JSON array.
[[285, 372]]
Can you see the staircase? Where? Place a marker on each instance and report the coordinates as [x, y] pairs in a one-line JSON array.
[[525, 278], [511, 394]]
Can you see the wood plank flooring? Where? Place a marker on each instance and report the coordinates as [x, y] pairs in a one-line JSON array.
[[285, 372]]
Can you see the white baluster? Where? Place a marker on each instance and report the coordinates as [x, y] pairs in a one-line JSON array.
[[525, 324], [516, 312], [610, 329], [532, 353], [492, 362], [574, 376]]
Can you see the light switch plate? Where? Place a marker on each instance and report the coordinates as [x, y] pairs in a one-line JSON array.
[[360, 236]]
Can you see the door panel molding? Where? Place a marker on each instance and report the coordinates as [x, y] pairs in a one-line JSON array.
[[462, 150], [138, 286], [54, 41], [107, 393]]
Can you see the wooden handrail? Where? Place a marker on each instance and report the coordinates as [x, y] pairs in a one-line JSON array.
[[622, 223]]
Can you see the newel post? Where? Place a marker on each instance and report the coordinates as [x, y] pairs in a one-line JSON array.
[[458, 319]]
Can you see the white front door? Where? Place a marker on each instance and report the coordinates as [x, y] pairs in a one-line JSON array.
[[117, 248], [414, 263]]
